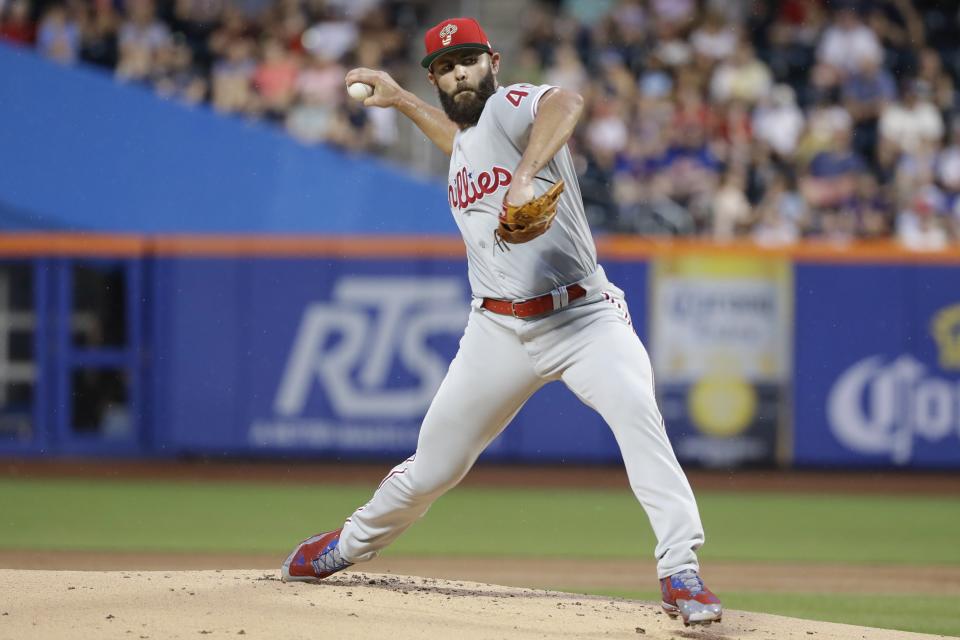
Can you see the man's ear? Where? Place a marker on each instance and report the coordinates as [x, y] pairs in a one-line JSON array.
[[495, 61], [431, 78]]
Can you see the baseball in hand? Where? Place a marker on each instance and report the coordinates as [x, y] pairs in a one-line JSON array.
[[360, 91]]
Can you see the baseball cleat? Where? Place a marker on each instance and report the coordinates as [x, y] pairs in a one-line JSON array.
[[314, 559], [685, 595]]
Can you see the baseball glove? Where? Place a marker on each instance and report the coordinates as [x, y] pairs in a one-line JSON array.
[[522, 223]]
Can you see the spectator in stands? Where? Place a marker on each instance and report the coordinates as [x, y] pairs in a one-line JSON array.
[[332, 36], [311, 119], [319, 94], [275, 79], [689, 171], [607, 132], [58, 37], [781, 214], [779, 122], [789, 40], [865, 93], [870, 208], [743, 77], [232, 78], [899, 27], [731, 209], [831, 178], [906, 125], [847, 46], [321, 80], [233, 26], [351, 128], [716, 40], [670, 47], [922, 224], [623, 35], [942, 86], [528, 68], [197, 20], [675, 13], [141, 37], [175, 76], [16, 25], [98, 34], [948, 168], [567, 70]]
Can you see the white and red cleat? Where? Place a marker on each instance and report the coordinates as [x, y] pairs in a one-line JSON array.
[[314, 559], [685, 595]]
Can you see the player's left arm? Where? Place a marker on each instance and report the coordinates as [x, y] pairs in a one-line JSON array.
[[557, 114]]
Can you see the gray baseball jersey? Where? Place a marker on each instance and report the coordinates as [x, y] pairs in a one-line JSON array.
[[481, 166]]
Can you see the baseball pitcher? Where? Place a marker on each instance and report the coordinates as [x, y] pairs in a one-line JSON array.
[[542, 310]]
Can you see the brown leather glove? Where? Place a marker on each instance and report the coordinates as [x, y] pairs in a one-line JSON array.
[[523, 223]]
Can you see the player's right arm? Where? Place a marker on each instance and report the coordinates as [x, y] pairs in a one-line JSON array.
[[387, 93]]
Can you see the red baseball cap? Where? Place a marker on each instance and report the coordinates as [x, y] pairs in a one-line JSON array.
[[455, 33]]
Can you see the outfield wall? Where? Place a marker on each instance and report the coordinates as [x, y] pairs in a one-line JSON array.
[[333, 347]]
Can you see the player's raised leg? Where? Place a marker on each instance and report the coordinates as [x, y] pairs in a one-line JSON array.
[[488, 381], [611, 372]]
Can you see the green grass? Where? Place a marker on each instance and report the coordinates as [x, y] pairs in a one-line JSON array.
[[750, 527], [170, 516], [906, 612]]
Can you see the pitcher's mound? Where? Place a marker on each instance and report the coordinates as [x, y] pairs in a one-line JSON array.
[[189, 604]]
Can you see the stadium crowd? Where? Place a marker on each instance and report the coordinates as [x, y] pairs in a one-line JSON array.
[[780, 120], [277, 60]]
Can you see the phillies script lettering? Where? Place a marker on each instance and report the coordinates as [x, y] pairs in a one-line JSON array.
[[465, 191]]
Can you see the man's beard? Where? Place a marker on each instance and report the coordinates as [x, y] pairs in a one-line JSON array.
[[466, 111]]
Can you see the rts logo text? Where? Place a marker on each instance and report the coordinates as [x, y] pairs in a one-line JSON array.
[[349, 346]]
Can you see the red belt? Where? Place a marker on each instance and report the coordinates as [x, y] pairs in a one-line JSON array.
[[534, 306]]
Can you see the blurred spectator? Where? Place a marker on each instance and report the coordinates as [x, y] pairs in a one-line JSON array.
[[832, 176], [15, 23], [899, 27], [779, 122], [275, 79], [921, 225], [98, 34], [321, 80], [233, 77], [196, 20], [175, 76], [715, 40], [870, 208], [311, 119], [331, 37], [527, 68], [567, 70], [141, 38], [59, 36], [914, 121], [942, 86], [607, 132], [865, 93], [847, 46], [781, 214], [731, 210], [744, 77], [948, 168], [675, 13]]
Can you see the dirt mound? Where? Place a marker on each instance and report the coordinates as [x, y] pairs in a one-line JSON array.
[[255, 604]]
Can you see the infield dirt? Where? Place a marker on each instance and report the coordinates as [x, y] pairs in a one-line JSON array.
[[56, 605]]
